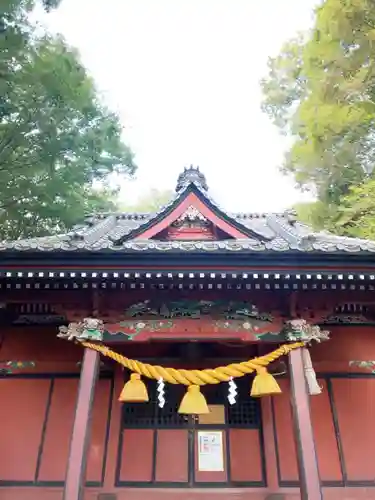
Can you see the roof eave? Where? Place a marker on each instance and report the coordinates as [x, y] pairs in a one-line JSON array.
[[147, 258]]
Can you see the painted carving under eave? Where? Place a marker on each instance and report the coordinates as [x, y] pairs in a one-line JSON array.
[[196, 309], [197, 319], [300, 330], [87, 329]]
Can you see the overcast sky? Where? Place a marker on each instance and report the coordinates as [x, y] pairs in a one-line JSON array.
[[184, 77]]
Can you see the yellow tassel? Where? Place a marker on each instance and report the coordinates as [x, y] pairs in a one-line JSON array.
[[264, 384], [134, 390], [193, 403]]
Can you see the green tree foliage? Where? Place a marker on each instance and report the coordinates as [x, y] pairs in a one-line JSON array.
[[320, 90], [152, 201], [58, 143], [356, 213]]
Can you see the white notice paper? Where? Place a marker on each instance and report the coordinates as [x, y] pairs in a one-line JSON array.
[[210, 451]]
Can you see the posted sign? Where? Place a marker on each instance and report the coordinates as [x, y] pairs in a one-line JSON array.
[[210, 451]]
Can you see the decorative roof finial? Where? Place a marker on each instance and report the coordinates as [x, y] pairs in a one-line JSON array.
[[191, 175]]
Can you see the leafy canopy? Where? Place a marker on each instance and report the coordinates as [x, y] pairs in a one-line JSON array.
[[320, 90], [58, 143], [356, 213]]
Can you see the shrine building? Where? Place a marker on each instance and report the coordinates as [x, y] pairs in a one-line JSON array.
[[190, 354]]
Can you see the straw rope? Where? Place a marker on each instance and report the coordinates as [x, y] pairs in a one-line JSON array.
[[194, 377]]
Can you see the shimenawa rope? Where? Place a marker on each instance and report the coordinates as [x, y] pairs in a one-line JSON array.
[[194, 377]]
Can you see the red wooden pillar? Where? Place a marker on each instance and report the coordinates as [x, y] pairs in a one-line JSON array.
[[303, 431], [77, 461]]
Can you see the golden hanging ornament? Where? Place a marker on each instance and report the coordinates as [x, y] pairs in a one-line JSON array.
[[134, 391], [264, 384], [193, 402]]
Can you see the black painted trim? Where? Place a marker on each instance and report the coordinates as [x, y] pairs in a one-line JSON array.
[[191, 456], [345, 375], [227, 446], [44, 429], [154, 454], [277, 453], [331, 375], [335, 421], [120, 446], [39, 375], [332, 484], [356, 325], [262, 450], [345, 262], [108, 428]]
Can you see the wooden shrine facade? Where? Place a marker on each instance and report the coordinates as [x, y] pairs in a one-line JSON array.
[[190, 287]]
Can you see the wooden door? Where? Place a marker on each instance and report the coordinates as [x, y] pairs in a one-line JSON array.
[[161, 448]]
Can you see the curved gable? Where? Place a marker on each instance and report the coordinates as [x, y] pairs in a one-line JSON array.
[[192, 198]]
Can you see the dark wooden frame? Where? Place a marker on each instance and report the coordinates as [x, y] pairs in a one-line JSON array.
[[192, 427]]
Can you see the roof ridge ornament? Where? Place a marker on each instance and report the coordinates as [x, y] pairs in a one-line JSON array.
[[191, 214], [291, 216], [191, 175]]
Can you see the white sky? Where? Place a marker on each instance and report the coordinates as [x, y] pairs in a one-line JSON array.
[[184, 77]]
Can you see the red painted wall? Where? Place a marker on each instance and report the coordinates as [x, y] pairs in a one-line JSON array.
[[41, 410], [136, 455], [347, 343], [325, 440], [245, 455], [172, 456], [355, 405], [349, 401], [24, 403], [36, 433]]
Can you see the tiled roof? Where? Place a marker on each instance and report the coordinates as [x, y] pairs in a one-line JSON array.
[[268, 232]]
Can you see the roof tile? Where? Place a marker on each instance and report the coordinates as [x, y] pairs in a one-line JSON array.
[[268, 233]]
